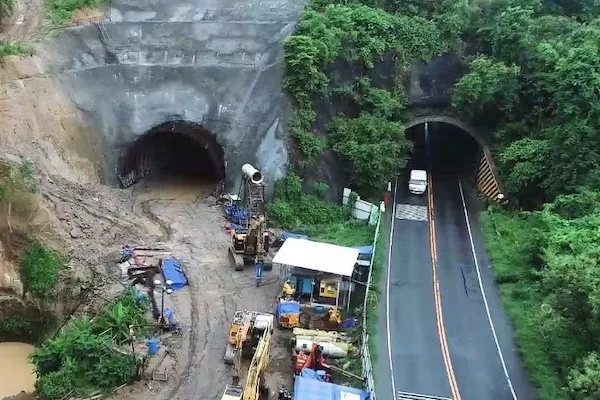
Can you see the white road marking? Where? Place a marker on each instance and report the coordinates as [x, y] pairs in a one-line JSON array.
[[485, 303], [417, 396], [411, 212], [387, 292]]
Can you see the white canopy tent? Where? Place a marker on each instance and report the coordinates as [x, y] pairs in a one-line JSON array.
[[318, 256]]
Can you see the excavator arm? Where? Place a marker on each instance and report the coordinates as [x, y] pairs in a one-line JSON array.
[[258, 365], [251, 390]]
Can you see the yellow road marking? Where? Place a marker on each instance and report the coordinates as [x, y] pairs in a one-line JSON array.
[[437, 296]]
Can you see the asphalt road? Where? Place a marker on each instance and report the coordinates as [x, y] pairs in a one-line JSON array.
[[440, 343]]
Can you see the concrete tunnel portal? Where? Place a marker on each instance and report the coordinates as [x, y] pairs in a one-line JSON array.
[[180, 149], [448, 147]]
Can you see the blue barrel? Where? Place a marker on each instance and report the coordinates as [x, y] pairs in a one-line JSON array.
[[152, 346]]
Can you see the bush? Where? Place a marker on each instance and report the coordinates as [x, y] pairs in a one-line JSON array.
[[320, 189], [39, 269], [294, 209], [6, 8], [83, 357], [13, 48], [61, 11]]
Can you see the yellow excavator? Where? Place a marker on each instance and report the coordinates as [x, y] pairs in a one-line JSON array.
[[254, 389]]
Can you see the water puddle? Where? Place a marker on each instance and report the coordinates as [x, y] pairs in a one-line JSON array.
[[16, 373]]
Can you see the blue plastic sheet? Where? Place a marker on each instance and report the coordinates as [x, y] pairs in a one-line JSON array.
[[287, 308], [313, 389], [364, 250], [286, 235], [236, 215], [172, 270]]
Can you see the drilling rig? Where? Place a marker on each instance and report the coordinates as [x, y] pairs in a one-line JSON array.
[[250, 244]]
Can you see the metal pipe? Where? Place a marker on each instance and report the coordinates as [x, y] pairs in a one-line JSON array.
[[252, 173]]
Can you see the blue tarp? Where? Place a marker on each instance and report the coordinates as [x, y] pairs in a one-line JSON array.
[[364, 250], [286, 308], [286, 235], [236, 215], [312, 389], [312, 374], [172, 270]]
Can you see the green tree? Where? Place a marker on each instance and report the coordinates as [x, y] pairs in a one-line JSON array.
[[373, 148], [490, 86]]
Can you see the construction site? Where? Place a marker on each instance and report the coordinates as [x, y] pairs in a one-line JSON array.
[[300, 343], [150, 177]]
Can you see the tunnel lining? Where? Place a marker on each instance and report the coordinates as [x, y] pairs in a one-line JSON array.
[[141, 157]]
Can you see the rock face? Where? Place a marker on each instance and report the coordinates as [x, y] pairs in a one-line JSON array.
[[217, 64]]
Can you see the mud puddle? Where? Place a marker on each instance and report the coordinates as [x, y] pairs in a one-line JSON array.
[[16, 373]]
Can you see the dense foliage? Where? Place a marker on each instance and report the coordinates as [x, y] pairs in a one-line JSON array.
[[546, 263], [90, 355], [536, 70], [329, 61], [539, 73]]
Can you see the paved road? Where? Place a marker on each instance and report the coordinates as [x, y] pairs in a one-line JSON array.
[[442, 345]]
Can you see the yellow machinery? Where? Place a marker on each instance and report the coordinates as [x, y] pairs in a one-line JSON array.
[[328, 288], [254, 388], [250, 245], [238, 335], [288, 289]]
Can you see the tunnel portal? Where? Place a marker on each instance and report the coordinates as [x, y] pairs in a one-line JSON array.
[[179, 149], [452, 149]]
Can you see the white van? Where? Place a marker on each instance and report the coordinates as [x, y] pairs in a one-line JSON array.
[[418, 181]]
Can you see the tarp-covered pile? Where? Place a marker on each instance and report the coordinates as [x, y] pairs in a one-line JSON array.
[[287, 308], [172, 271]]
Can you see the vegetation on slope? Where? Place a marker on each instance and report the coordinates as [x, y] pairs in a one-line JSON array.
[[6, 8], [532, 65], [304, 213], [61, 11], [536, 69], [90, 355], [344, 100], [14, 49]]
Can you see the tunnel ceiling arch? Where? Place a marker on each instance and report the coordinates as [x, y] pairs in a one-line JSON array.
[[488, 183], [174, 142]]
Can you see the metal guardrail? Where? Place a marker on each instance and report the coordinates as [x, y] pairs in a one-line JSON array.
[[367, 366]]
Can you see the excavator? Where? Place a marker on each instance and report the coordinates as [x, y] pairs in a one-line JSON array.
[[251, 243], [259, 332]]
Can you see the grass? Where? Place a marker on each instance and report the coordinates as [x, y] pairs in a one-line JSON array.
[[39, 269], [61, 11], [14, 49], [511, 243], [375, 291], [348, 233], [27, 175]]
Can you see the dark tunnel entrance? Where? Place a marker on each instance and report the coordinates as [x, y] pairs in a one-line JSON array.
[[173, 150], [452, 152], [444, 149]]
